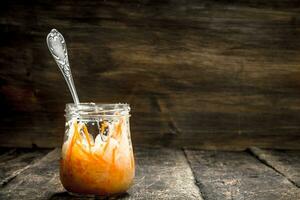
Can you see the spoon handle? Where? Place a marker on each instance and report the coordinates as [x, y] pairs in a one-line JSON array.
[[58, 49]]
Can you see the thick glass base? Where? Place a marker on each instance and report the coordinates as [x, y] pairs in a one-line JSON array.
[[92, 196], [81, 195]]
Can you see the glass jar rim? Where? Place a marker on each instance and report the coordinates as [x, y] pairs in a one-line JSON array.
[[97, 109]]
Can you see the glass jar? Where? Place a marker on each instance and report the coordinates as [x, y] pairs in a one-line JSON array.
[[97, 156]]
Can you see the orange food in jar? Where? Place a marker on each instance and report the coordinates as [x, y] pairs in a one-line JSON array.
[[100, 167]]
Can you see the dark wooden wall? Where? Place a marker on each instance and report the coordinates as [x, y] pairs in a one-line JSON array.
[[210, 74]]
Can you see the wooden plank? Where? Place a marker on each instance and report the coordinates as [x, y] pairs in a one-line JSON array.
[[38, 181], [238, 175], [14, 161], [160, 174], [163, 174], [285, 162], [191, 70]]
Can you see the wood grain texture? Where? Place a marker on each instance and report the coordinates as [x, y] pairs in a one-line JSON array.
[[210, 74], [285, 162], [239, 176], [14, 161], [39, 181], [163, 174], [160, 174]]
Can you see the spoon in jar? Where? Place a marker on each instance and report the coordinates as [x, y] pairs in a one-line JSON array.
[[58, 49]]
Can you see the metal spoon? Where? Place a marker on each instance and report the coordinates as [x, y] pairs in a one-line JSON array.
[[58, 49]]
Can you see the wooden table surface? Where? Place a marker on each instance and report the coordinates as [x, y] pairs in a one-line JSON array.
[[165, 174]]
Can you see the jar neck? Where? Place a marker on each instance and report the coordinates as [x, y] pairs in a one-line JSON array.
[[87, 110]]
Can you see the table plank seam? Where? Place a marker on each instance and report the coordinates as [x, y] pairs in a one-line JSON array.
[[238, 175], [16, 172], [197, 183], [253, 152], [13, 175]]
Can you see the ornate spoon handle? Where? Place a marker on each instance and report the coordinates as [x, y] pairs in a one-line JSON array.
[[58, 49]]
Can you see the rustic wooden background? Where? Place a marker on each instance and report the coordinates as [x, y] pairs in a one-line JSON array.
[[208, 74]]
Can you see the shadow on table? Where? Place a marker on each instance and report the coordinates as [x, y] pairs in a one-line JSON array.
[[67, 196]]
